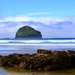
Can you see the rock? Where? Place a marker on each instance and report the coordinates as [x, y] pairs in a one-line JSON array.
[[42, 60], [28, 32], [43, 51], [60, 60], [0, 60]]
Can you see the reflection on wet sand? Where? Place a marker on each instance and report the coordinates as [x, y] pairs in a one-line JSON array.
[[17, 71]]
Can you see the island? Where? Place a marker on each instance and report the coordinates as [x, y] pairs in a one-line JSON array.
[[28, 32]]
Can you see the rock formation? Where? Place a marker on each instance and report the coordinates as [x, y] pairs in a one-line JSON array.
[[42, 60], [28, 32]]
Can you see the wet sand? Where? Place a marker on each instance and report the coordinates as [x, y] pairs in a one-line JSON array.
[[17, 71]]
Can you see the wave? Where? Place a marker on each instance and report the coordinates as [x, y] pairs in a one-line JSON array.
[[37, 44], [37, 41]]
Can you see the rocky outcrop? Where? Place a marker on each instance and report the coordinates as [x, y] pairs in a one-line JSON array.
[[28, 32], [42, 60]]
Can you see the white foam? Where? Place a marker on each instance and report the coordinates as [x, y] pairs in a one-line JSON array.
[[37, 41], [61, 41], [43, 41], [4, 41], [38, 44]]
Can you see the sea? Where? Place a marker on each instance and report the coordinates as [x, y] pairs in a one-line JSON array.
[[30, 46]]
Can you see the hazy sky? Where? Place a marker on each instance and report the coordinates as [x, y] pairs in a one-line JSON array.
[[54, 18]]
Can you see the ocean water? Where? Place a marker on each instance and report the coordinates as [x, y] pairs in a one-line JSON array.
[[22, 46]]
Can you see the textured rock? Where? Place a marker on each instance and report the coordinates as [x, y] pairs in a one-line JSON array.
[[42, 60], [28, 32]]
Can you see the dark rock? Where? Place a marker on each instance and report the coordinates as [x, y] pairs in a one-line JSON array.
[[28, 32], [60, 60], [0, 60], [42, 60], [42, 51]]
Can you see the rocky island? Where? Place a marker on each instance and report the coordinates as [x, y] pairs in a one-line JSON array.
[[42, 60], [28, 32]]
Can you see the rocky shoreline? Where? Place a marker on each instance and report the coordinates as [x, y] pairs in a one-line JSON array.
[[42, 60]]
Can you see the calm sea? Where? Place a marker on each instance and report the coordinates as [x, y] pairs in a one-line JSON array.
[[22, 46]]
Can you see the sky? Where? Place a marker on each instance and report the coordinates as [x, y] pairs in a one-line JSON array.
[[23, 7], [54, 18]]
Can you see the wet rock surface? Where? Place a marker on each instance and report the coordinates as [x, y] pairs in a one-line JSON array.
[[42, 60]]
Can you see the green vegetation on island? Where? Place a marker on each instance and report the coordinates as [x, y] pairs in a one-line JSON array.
[[28, 32]]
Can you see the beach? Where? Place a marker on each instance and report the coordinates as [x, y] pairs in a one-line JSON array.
[[60, 61], [16, 71], [30, 46]]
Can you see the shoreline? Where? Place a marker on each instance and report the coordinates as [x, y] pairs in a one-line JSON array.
[[42, 60]]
